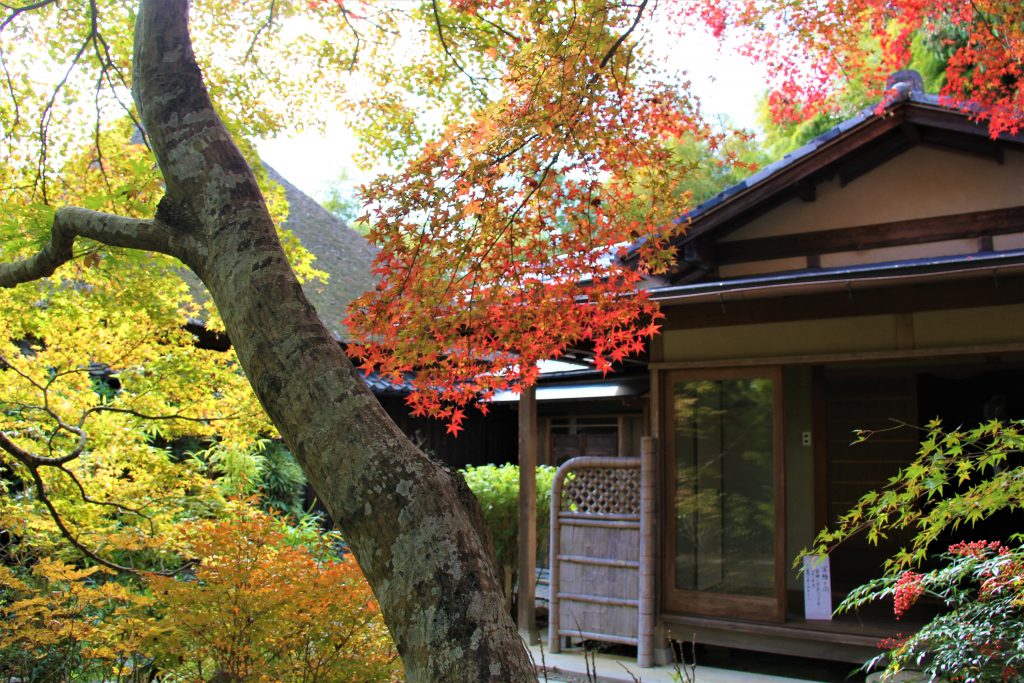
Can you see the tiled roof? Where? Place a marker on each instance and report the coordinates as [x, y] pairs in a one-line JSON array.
[[989, 263], [382, 387]]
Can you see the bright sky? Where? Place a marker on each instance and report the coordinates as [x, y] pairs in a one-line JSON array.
[[726, 84]]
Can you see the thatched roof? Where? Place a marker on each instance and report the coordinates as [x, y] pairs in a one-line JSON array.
[[340, 251]]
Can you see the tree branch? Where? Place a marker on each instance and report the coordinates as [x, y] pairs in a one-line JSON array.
[[171, 416], [618, 43], [267, 25], [444, 43], [32, 460], [86, 498], [33, 463], [15, 11], [72, 222], [78, 544]]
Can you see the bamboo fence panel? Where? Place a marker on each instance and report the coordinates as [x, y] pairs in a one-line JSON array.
[[595, 551]]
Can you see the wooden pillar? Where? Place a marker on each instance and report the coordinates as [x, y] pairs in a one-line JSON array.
[[648, 552], [526, 615]]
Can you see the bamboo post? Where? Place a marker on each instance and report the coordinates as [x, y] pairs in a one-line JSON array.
[[555, 525], [648, 552], [526, 612]]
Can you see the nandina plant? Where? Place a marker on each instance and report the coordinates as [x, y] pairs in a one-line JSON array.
[[959, 477], [980, 637]]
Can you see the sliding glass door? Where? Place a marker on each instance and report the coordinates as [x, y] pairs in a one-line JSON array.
[[725, 522]]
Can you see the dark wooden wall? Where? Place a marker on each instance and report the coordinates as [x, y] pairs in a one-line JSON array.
[[485, 439]]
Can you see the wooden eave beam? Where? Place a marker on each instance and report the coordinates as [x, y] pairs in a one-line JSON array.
[[985, 148], [806, 190], [911, 132], [945, 119], [981, 290], [854, 238]]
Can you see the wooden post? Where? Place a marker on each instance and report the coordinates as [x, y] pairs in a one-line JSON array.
[[648, 551], [526, 615]]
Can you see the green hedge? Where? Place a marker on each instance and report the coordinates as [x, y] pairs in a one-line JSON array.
[[497, 489]]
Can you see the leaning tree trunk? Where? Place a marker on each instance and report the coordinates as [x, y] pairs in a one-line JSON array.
[[412, 526]]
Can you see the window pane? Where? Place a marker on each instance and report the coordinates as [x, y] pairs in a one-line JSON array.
[[724, 498]]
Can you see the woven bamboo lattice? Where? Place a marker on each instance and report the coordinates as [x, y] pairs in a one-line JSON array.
[[602, 491]]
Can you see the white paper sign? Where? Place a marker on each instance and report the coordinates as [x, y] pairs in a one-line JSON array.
[[817, 588]]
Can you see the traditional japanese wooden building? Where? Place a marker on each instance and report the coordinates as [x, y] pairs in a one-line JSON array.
[[872, 279]]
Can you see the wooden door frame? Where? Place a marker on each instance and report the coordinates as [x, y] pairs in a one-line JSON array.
[[674, 600]]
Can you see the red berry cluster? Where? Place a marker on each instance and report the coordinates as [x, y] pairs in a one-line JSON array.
[[893, 642], [906, 592], [978, 548]]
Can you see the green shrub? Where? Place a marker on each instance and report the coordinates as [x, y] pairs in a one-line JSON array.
[[268, 470], [497, 489]]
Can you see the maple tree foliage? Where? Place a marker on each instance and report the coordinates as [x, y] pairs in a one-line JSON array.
[[500, 235], [259, 604], [814, 50], [263, 608], [97, 368]]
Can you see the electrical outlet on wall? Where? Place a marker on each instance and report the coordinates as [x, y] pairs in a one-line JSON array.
[[805, 439]]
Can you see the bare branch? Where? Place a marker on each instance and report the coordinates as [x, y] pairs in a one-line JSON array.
[[47, 116], [77, 543], [77, 431], [108, 66], [171, 416], [8, 365], [32, 460], [499, 28], [104, 503], [97, 134], [14, 99], [33, 463], [356, 35], [72, 222]]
